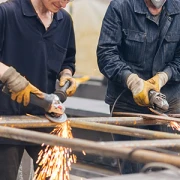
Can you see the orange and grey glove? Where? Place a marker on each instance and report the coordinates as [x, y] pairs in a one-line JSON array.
[[159, 80], [73, 85], [19, 87], [140, 89]]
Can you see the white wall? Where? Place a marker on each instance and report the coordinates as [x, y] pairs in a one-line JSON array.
[[87, 16]]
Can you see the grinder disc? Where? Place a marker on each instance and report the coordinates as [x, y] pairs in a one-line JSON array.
[[59, 119]]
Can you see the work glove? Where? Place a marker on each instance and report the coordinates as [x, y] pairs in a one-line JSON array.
[[159, 80], [19, 87], [73, 85], [140, 89]]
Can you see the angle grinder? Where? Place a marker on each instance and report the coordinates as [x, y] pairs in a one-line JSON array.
[[158, 101], [51, 103]]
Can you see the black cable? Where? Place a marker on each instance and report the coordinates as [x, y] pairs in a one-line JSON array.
[[116, 101], [119, 164]]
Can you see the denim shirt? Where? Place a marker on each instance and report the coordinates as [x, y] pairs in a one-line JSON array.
[[131, 42]]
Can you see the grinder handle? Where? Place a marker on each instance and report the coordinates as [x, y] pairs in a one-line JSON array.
[[44, 103], [61, 90]]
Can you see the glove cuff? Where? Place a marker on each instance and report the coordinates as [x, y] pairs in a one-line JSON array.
[[131, 79], [135, 84], [10, 71], [163, 78], [14, 80]]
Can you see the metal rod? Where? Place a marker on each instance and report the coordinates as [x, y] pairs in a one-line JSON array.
[[166, 143], [138, 155], [40, 121], [148, 134], [148, 116], [174, 115], [129, 131]]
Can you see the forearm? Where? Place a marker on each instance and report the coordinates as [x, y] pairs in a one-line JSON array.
[[3, 69]]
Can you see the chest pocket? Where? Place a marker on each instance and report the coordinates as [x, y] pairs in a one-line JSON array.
[[56, 57], [170, 45], [133, 46]]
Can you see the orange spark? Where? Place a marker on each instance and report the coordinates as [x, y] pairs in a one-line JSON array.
[[55, 161], [175, 125], [84, 152]]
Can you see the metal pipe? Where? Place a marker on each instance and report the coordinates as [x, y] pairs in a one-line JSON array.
[[166, 143], [148, 134], [149, 116], [40, 121], [138, 155], [129, 131]]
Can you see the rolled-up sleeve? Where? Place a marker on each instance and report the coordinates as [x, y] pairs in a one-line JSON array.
[[110, 62]]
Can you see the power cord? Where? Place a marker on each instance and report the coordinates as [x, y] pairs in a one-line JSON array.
[[111, 112]]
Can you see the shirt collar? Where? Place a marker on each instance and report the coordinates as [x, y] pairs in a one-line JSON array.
[[172, 7], [59, 15], [28, 10], [140, 7]]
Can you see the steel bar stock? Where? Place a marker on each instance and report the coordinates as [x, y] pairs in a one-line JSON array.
[[138, 155], [129, 131], [40, 121], [149, 116], [166, 143]]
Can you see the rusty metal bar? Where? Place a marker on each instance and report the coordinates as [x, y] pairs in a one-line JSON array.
[[40, 121], [129, 131], [174, 115], [148, 116], [148, 134], [166, 143], [138, 155]]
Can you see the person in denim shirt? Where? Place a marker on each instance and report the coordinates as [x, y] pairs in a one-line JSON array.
[[139, 51], [37, 45]]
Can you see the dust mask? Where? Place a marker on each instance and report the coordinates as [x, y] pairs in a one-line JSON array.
[[158, 3]]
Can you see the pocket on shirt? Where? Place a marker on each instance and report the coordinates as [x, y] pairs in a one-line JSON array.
[[170, 44], [133, 46], [57, 55]]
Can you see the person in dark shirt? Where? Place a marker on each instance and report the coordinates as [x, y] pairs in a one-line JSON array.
[[37, 44], [139, 51]]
